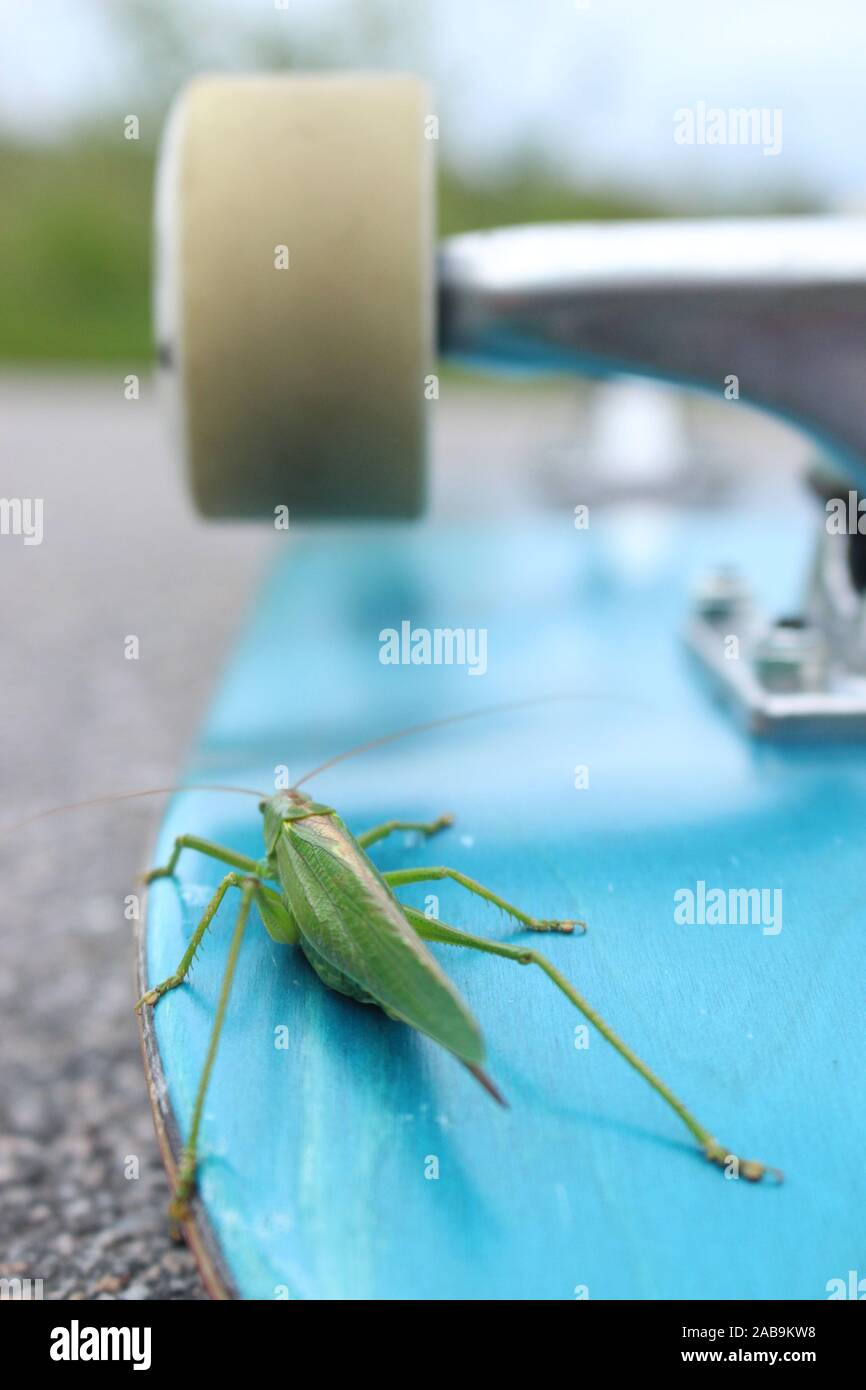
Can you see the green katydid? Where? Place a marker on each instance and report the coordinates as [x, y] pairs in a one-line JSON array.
[[331, 901]]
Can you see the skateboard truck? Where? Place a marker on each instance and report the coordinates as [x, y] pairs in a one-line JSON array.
[[778, 303]]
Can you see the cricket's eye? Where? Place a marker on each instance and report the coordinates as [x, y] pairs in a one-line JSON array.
[[262, 805]]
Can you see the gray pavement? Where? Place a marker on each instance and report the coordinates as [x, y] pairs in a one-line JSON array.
[[121, 554]]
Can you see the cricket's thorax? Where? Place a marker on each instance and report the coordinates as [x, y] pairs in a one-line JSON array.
[[286, 807]]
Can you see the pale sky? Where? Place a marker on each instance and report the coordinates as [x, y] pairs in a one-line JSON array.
[[595, 85]]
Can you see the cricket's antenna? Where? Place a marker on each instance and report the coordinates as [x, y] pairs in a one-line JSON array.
[[449, 719], [127, 796]]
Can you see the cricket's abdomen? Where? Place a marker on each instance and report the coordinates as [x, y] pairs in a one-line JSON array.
[[331, 976]]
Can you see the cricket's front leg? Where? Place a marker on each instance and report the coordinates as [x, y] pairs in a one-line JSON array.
[[388, 827], [220, 852], [155, 994], [395, 878], [274, 913], [186, 1174]]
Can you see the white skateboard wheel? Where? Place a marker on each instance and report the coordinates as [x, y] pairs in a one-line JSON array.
[[294, 292]]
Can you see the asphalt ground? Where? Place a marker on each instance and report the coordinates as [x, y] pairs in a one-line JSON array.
[[121, 555]]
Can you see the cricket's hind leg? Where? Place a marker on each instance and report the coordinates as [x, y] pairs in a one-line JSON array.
[[388, 827], [431, 930], [395, 878]]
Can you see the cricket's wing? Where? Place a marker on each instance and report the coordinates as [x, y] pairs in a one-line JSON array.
[[351, 917]]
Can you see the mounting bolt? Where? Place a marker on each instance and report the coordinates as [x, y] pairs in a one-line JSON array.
[[720, 594], [791, 657]]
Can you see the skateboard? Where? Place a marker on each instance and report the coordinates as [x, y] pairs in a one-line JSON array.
[[344, 1156]]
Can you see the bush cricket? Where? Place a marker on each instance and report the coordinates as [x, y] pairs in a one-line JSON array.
[[316, 887]]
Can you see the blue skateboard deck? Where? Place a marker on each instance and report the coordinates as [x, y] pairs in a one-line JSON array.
[[344, 1156]]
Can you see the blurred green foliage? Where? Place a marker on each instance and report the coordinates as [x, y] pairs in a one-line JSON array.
[[76, 247], [526, 194]]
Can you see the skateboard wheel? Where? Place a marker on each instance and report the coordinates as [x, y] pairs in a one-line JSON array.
[[294, 292]]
